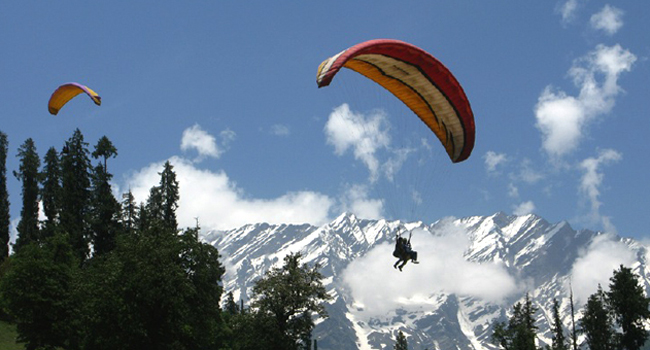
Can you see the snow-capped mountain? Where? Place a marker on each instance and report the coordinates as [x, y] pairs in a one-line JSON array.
[[472, 271]]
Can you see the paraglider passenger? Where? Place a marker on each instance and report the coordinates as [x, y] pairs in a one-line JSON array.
[[404, 252]]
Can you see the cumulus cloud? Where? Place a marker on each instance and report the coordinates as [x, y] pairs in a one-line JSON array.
[[562, 119], [356, 199], [524, 208], [195, 138], [596, 264], [609, 20], [527, 173], [443, 264], [493, 160], [365, 135], [568, 10], [280, 130], [513, 191], [219, 204], [591, 182]]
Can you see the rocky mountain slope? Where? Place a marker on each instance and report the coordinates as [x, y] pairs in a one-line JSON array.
[[472, 271]]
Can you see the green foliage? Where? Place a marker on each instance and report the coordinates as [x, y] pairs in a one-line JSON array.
[[51, 192], [597, 323], [75, 195], [9, 336], [36, 291], [163, 200], [629, 305], [559, 340], [285, 300], [105, 149], [400, 342], [28, 175], [519, 332], [129, 212], [104, 212], [4, 199], [154, 291]]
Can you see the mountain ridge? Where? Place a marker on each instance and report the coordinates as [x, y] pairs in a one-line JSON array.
[[472, 270]]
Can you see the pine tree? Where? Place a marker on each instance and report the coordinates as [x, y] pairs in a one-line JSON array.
[[559, 340], [520, 331], [4, 199], [105, 208], [596, 322], [28, 230], [129, 216], [51, 193], [163, 201], [169, 195], [105, 212], [400, 342], [574, 334], [75, 199], [629, 305], [231, 306], [104, 149]]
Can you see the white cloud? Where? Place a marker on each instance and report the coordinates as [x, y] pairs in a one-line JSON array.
[[205, 144], [524, 208], [364, 134], [280, 130], [219, 204], [562, 119], [513, 191], [356, 200], [568, 9], [609, 20], [596, 264], [443, 264], [493, 159], [527, 174], [591, 182]]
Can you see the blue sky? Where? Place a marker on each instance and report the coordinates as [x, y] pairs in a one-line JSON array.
[[227, 92]]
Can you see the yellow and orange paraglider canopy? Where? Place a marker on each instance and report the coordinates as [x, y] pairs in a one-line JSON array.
[[68, 91], [420, 81]]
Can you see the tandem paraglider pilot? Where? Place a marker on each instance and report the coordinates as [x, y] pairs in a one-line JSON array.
[[403, 252]]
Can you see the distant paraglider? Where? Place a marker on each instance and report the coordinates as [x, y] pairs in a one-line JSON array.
[[420, 81], [68, 91]]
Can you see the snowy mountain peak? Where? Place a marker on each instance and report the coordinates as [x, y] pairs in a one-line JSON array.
[[449, 301]]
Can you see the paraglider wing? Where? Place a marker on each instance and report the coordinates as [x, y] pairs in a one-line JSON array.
[[66, 92], [420, 81]]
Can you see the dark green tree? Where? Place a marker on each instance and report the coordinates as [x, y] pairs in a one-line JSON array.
[[596, 323], [557, 328], [163, 201], [36, 292], [520, 331], [4, 199], [105, 212], [629, 305], [400, 342], [129, 216], [51, 192], [285, 301], [231, 305], [105, 209], [169, 195], [104, 149], [154, 291], [76, 194], [28, 175]]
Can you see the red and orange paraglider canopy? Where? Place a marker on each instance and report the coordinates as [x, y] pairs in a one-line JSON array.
[[420, 81]]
